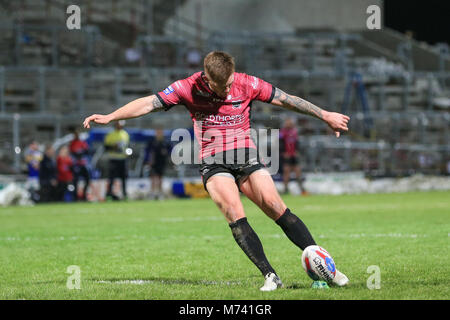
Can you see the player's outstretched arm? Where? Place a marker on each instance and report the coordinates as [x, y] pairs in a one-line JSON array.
[[134, 109], [336, 121]]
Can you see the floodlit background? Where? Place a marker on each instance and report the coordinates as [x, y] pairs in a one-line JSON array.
[[391, 82]]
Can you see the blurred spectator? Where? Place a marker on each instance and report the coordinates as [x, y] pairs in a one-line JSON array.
[[33, 157], [79, 150], [47, 176], [116, 144], [159, 151], [64, 165], [193, 58], [290, 154]]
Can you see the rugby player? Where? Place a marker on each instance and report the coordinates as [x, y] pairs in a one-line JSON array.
[[219, 99], [290, 155]]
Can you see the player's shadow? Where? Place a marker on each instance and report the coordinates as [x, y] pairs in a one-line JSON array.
[[296, 286]]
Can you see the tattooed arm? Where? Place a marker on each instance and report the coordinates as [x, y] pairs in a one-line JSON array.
[[336, 121], [134, 109]]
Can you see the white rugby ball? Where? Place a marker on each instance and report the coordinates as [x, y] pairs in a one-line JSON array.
[[318, 264]]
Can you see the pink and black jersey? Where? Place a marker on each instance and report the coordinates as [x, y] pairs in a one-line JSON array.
[[219, 124]]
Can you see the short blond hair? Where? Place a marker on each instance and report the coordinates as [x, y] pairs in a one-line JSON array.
[[219, 66]]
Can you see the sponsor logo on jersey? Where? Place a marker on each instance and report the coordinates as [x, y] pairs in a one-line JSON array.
[[168, 90], [236, 104], [221, 120]]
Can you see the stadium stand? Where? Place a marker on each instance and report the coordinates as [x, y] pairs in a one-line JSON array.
[[54, 78]]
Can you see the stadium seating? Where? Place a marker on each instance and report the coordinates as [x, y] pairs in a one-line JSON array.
[[59, 77]]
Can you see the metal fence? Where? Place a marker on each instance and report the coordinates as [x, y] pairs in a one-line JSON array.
[[397, 123]]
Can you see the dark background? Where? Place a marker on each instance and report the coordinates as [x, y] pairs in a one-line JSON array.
[[429, 20]]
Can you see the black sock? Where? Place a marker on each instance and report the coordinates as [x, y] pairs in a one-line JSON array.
[[249, 242], [295, 230]]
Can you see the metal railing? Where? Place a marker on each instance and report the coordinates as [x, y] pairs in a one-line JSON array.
[[78, 45], [155, 79]]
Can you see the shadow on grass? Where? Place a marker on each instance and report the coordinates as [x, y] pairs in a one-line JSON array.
[[296, 286], [352, 285]]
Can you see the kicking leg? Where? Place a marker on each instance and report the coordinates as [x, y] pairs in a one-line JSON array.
[[260, 188], [225, 194]]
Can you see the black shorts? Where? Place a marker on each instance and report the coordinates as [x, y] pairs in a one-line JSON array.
[[117, 169], [80, 171], [291, 160], [237, 163], [157, 169]]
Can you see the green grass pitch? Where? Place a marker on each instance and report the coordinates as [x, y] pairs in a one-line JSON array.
[[183, 249]]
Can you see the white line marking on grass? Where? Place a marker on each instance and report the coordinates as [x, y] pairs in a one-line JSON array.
[[215, 237], [184, 219], [276, 236], [169, 281], [357, 235], [388, 235], [365, 207]]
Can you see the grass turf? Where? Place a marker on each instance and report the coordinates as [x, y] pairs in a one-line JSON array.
[[183, 249]]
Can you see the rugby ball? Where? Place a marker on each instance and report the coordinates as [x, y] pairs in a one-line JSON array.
[[318, 264]]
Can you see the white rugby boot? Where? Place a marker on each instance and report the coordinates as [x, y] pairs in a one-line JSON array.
[[271, 283], [340, 279]]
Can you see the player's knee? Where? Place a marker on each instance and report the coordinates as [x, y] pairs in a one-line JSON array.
[[231, 210], [275, 205]]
